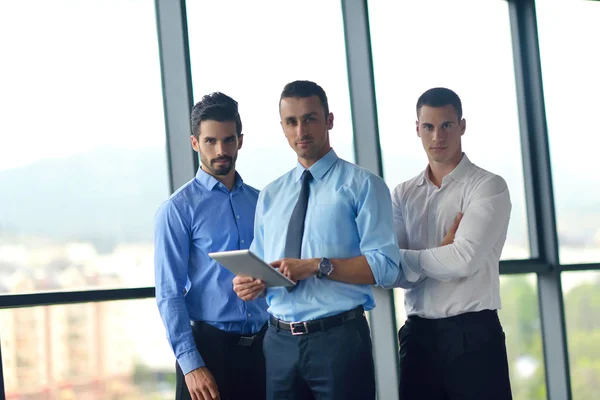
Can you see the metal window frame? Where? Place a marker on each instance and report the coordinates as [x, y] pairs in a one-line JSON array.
[[174, 50], [171, 23], [540, 194], [367, 150]]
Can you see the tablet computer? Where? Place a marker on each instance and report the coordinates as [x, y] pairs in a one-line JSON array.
[[244, 262]]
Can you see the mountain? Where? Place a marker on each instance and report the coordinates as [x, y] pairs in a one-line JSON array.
[[106, 196], [110, 195]]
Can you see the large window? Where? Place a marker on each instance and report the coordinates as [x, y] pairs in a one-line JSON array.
[[568, 32], [520, 319], [251, 59], [582, 304], [464, 45], [112, 350], [82, 161]]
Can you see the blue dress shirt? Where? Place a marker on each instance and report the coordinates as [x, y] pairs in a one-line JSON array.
[[202, 217], [349, 214]]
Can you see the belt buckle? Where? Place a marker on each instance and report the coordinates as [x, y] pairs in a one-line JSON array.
[[299, 328], [246, 341]]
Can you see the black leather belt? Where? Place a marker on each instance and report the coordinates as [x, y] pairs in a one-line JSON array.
[[231, 338], [317, 325]]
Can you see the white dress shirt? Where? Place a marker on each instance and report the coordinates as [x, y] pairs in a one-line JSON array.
[[463, 276]]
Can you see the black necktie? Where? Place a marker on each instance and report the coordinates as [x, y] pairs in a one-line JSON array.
[[293, 240]]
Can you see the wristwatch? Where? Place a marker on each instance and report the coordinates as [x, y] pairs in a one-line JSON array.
[[325, 268]]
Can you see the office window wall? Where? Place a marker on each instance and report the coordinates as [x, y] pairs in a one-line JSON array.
[[464, 45], [581, 292], [82, 169], [568, 32], [251, 59], [82, 162], [520, 318], [100, 350]]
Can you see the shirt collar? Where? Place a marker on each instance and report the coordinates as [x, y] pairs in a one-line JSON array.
[[423, 177], [459, 174], [318, 169], [209, 181]]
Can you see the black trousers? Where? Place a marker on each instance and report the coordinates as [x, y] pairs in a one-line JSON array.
[[335, 364], [456, 358], [237, 366]]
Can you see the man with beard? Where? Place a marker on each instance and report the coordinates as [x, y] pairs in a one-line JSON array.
[[215, 336]]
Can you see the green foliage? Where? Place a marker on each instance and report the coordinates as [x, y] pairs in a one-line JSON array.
[[521, 323]]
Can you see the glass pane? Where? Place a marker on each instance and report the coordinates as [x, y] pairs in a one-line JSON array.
[[415, 49], [83, 161], [582, 301], [105, 350], [520, 319], [521, 323], [568, 33], [399, 307], [251, 60]]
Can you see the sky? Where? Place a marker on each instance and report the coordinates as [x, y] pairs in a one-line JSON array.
[[86, 74]]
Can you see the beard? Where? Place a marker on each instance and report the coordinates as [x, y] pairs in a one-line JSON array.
[[221, 169]]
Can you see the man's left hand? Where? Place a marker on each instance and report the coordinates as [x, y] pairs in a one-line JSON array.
[[297, 270]]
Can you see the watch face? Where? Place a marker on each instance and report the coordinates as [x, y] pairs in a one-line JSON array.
[[325, 266]]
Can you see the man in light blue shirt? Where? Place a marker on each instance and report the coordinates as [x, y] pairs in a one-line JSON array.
[[318, 344], [215, 336]]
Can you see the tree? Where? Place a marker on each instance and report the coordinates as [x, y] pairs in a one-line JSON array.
[[521, 324]]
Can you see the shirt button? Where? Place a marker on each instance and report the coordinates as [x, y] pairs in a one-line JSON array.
[[237, 216], [242, 241], [249, 314]]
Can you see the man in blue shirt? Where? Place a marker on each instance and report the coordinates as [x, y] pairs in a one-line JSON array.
[[318, 344], [216, 337]]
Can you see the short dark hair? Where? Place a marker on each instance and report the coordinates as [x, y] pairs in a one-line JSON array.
[[215, 106], [302, 89], [440, 97]]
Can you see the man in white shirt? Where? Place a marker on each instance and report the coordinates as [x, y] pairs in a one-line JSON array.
[[451, 222]]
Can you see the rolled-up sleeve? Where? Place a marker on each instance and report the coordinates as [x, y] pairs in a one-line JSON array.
[[171, 254], [376, 230]]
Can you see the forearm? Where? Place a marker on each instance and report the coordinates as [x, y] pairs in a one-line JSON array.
[[171, 246], [175, 316], [458, 260], [354, 270]]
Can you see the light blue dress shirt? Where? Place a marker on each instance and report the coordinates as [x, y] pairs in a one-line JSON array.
[[202, 217], [349, 214]]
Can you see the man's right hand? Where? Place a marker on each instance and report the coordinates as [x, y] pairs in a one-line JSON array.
[[449, 238], [247, 288], [201, 384]]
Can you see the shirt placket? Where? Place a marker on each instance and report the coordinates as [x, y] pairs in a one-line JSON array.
[[431, 204], [237, 217]]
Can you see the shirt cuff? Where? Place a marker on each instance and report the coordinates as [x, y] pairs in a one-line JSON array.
[[190, 361], [409, 261]]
